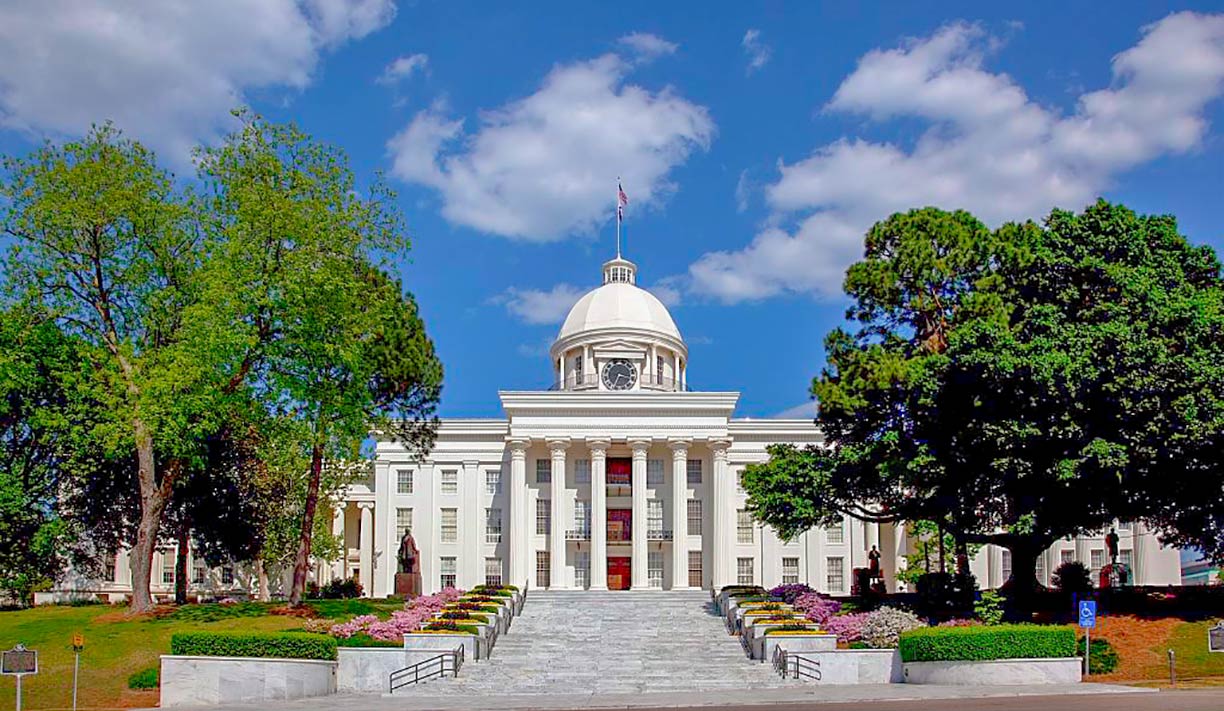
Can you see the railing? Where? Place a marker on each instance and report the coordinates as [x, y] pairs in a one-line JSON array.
[[648, 381], [435, 666], [743, 638], [658, 535], [582, 535], [795, 666]]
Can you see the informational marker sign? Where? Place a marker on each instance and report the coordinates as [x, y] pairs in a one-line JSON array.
[[1087, 613], [19, 661], [1215, 638]]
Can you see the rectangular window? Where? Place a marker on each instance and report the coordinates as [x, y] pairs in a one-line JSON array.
[[198, 572], [835, 574], [582, 569], [1097, 561], [582, 471], [836, 534], [654, 569], [743, 526], [654, 473], [1124, 525], [578, 370], [743, 571], [693, 471], [403, 481], [493, 526], [543, 517], [1124, 557], [694, 517], [493, 571], [493, 482], [1040, 571], [450, 481], [227, 575], [543, 570], [658, 370], [403, 523], [1005, 564], [696, 579], [654, 516], [1066, 556], [447, 568], [582, 517], [168, 567], [543, 471], [450, 526], [790, 571]]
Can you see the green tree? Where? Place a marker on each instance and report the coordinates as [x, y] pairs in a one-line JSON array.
[[1019, 385], [343, 348]]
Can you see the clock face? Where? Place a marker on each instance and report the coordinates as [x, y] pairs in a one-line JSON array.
[[619, 374]]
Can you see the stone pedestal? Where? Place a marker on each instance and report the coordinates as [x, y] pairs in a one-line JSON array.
[[408, 584]]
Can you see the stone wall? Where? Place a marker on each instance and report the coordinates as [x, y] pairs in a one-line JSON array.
[[208, 681]]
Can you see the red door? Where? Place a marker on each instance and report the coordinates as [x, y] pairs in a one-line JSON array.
[[618, 573]]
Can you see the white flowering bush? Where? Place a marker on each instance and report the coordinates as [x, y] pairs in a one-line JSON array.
[[883, 627]]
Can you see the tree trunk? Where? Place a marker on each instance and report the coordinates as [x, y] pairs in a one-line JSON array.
[[301, 567], [943, 556], [261, 574], [180, 564], [154, 497]]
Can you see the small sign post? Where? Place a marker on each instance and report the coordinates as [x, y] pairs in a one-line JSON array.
[[1087, 620], [18, 662], [78, 644], [1215, 637]]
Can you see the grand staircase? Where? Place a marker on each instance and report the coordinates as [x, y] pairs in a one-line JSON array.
[[614, 643]]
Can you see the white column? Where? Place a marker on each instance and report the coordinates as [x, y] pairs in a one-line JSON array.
[[599, 514], [679, 514], [638, 564], [556, 535], [367, 547], [337, 567], [382, 561], [724, 567], [519, 525]]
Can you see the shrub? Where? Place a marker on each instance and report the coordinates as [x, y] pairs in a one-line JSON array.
[[147, 678], [817, 607], [882, 628], [945, 595], [339, 589], [848, 628], [789, 593], [1072, 577], [283, 645], [989, 609], [364, 640], [1104, 657], [449, 626], [979, 643]]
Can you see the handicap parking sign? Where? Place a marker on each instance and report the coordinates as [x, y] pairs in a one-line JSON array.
[[1087, 613]]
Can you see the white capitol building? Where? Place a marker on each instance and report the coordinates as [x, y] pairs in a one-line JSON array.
[[619, 477]]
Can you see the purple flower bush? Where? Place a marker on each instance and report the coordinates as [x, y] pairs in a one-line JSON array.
[[789, 593], [816, 607], [416, 613], [848, 628]]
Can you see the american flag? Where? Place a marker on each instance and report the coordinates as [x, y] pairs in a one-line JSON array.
[[621, 201]]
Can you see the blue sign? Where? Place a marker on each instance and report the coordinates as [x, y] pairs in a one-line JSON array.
[[1087, 613]]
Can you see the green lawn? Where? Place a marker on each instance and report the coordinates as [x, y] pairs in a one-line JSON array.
[[1189, 644], [116, 646]]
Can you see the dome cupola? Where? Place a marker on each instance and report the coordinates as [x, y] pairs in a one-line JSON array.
[[619, 337]]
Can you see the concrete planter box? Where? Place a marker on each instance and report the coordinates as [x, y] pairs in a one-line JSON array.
[[857, 666], [209, 681], [439, 643], [995, 672], [366, 670], [799, 643]]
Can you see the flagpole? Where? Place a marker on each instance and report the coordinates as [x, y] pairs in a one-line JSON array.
[[618, 218]]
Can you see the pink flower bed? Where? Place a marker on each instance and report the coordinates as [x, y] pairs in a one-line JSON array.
[[416, 613], [848, 628], [817, 607]]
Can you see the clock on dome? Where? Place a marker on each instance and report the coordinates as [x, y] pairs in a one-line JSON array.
[[619, 374]]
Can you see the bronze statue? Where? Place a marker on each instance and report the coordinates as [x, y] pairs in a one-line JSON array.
[[1111, 542], [408, 554]]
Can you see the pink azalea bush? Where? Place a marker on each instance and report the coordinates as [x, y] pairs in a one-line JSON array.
[[416, 613], [817, 607], [848, 628]]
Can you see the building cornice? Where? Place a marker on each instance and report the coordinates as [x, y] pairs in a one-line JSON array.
[[563, 402]]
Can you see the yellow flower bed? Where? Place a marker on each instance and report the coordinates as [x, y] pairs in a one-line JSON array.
[[792, 633], [768, 613]]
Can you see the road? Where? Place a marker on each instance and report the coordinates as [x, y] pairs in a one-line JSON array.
[[1188, 700]]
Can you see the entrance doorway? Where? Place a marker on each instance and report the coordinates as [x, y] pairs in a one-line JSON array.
[[619, 572]]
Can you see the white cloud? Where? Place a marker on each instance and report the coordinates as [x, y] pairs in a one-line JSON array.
[[757, 52], [647, 46], [168, 73], [988, 148], [667, 291], [743, 191], [403, 67], [804, 411], [544, 167], [536, 306]]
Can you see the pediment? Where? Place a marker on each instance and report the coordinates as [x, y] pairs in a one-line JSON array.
[[619, 348]]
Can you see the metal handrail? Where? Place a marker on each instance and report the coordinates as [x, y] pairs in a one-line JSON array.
[[743, 638], [579, 535], [427, 669], [795, 666]]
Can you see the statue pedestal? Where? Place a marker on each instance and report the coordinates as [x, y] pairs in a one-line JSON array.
[[408, 584]]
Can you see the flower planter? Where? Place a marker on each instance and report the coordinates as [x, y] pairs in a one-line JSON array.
[[801, 644], [209, 681], [995, 672], [472, 645], [857, 666]]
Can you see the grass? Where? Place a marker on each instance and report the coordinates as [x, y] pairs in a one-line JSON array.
[[117, 645]]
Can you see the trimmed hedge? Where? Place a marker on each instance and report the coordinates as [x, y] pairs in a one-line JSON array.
[[980, 643], [280, 645], [148, 678]]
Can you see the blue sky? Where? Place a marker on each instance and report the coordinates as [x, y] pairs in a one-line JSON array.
[[757, 141]]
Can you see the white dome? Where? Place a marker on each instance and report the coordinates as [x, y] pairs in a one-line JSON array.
[[619, 306]]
